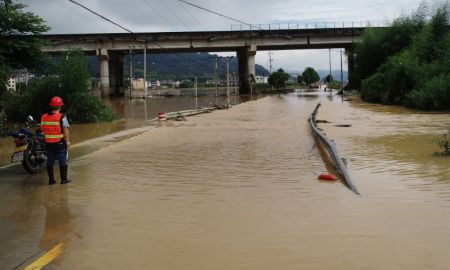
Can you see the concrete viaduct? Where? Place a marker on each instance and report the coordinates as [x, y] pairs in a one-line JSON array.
[[111, 48]]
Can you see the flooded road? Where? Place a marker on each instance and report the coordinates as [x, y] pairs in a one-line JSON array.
[[132, 114], [238, 189]]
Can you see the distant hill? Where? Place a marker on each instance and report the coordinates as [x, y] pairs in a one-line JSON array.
[[335, 73], [177, 66]]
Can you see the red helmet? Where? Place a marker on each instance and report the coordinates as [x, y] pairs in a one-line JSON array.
[[56, 102]]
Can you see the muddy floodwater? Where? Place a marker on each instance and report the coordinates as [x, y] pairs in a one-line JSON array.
[[238, 189], [132, 114]]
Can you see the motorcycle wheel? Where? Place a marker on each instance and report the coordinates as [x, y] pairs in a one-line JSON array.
[[30, 162]]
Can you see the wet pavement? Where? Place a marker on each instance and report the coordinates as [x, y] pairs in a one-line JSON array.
[[238, 189]]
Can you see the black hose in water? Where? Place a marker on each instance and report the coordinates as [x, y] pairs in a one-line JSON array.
[[331, 149]]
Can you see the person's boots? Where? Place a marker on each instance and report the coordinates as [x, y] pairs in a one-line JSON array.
[[63, 171], [51, 177]]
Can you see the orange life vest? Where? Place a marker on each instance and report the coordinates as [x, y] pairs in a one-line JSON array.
[[51, 126]]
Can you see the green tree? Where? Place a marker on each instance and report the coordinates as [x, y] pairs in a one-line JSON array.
[[310, 76], [18, 51], [377, 45], [71, 82], [328, 79], [73, 72], [278, 79], [417, 75], [186, 84], [300, 79]]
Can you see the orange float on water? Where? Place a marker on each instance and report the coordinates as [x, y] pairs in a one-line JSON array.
[[327, 177], [162, 116]]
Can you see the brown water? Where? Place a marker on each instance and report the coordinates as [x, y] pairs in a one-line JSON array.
[[238, 189], [132, 114]]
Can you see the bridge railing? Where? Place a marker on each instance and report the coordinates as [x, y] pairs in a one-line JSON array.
[[304, 25]]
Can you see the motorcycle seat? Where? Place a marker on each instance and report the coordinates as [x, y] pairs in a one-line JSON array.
[[26, 132], [14, 134]]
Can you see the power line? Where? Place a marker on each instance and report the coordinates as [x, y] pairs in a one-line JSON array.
[[221, 15], [159, 14], [101, 16], [81, 15], [131, 32], [193, 17], [173, 13]]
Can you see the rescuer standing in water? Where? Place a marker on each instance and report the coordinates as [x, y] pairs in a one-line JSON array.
[[56, 133]]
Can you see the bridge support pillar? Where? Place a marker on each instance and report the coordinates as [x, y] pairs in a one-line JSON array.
[[102, 55], [246, 62], [116, 72]]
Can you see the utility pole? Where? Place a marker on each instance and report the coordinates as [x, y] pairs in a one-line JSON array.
[[228, 74], [270, 61], [342, 77], [228, 78], [196, 86], [131, 72], [216, 66], [196, 92], [251, 87], [270, 64], [329, 54], [145, 70], [216, 77]]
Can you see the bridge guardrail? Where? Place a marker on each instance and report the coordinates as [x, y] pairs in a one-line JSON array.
[[304, 25]]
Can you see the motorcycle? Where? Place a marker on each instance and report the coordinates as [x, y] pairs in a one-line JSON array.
[[30, 146]]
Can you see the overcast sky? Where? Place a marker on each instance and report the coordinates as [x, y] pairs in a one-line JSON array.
[[172, 15]]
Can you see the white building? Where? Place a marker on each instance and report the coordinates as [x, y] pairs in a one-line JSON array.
[[154, 84], [261, 79], [138, 83], [11, 84]]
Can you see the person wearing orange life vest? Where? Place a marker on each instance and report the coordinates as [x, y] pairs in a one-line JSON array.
[[55, 127]]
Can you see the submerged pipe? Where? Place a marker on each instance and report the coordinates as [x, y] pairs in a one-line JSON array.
[[331, 148], [189, 112]]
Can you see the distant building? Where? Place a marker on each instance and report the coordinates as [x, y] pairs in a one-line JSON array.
[[154, 84], [261, 79], [138, 83], [22, 76], [234, 81], [11, 84], [169, 83]]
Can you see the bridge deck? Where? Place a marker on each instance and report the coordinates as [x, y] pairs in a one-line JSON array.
[[209, 41]]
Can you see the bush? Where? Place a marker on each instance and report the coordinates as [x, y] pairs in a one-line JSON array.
[[34, 99], [186, 84], [373, 88], [409, 63], [72, 84], [433, 95], [377, 45], [444, 143], [278, 79], [87, 108], [310, 76], [3, 119]]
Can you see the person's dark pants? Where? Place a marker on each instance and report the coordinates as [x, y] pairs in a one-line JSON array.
[[57, 151]]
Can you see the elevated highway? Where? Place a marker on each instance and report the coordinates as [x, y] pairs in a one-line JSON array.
[[111, 47]]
